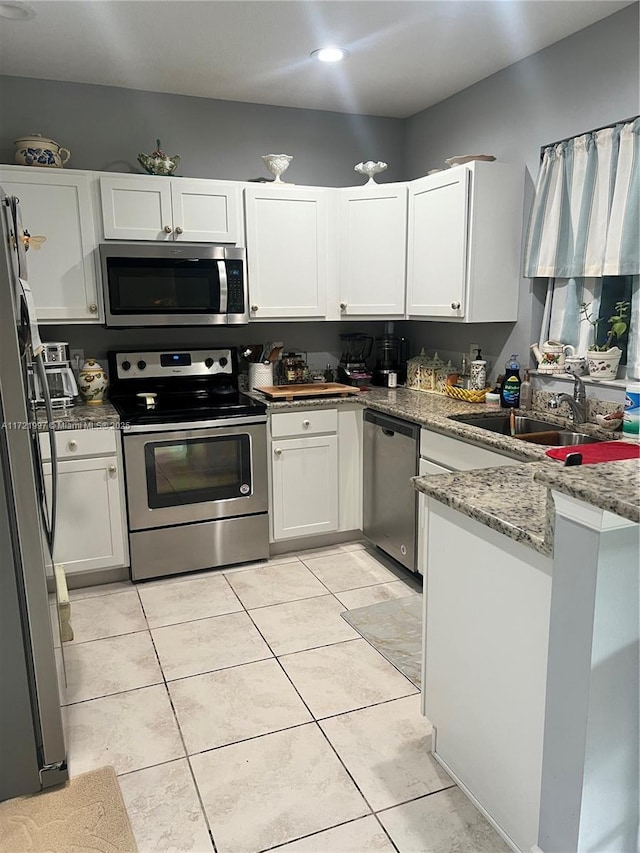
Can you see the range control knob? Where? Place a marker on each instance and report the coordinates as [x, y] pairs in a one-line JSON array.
[[208, 362], [142, 364], [224, 361], [126, 365]]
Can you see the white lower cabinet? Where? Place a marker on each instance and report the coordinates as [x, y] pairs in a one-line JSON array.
[[305, 486], [91, 526], [316, 471]]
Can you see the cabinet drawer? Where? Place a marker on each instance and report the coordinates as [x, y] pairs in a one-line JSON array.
[[75, 443], [457, 455], [304, 423]]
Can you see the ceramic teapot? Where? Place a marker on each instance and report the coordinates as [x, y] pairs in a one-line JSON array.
[[37, 150], [551, 356]]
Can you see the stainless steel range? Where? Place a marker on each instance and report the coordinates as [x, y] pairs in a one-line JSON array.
[[195, 454]]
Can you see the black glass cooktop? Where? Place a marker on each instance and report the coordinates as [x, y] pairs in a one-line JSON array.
[[186, 407]]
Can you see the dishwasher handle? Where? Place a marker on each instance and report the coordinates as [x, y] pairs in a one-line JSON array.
[[390, 425]]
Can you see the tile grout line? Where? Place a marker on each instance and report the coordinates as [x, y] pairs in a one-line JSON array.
[[181, 734]]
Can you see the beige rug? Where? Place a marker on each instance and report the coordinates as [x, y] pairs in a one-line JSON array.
[[85, 814]]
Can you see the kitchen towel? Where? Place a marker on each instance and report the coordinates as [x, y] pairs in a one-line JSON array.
[[605, 451]]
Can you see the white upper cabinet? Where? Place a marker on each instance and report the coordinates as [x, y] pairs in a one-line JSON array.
[[287, 251], [62, 273], [140, 207], [464, 243], [372, 247]]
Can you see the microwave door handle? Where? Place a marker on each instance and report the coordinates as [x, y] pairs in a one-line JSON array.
[[224, 290]]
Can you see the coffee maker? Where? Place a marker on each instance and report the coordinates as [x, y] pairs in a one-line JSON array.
[[60, 379], [391, 357], [356, 349]]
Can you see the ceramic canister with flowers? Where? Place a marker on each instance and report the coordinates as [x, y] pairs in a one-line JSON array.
[[92, 383]]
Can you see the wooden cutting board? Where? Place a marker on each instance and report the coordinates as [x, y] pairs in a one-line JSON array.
[[311, 389]]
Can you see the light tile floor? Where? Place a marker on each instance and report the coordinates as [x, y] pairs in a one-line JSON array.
[[239, 709]]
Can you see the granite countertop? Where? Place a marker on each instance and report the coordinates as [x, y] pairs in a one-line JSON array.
[[435, 411], [506, 499], [81, 416], [614, 487]]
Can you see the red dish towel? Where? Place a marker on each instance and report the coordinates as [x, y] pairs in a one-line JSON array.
[[605, 451]]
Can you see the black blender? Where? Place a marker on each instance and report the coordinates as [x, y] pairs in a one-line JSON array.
[[391, 358], [356, 349]]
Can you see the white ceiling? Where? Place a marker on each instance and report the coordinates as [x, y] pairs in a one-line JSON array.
[[405, 54]]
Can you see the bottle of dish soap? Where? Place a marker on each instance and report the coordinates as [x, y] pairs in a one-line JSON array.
[[510, 388]]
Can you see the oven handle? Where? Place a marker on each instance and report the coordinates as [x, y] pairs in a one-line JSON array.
[[224, 289], [195, 425]]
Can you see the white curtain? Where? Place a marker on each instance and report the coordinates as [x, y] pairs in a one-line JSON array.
[[585, 219]]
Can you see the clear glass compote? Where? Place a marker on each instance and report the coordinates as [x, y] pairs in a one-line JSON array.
[[370, 168], [277, 164]]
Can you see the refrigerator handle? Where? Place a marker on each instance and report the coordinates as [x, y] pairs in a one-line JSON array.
[[44, 387]]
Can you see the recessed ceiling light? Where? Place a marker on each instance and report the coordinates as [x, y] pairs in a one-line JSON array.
[[16, 11], [330, 54]]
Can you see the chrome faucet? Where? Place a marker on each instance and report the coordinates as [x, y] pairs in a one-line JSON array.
[[577, 403]]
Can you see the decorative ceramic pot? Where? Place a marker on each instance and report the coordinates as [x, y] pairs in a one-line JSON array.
[[575, 365], [159, 163], [37, 150], [604, 365], [92, 383], [551, 356]]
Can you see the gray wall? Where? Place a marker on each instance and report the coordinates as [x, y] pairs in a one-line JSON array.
[[575, 85], [106, 127], [582, 82]]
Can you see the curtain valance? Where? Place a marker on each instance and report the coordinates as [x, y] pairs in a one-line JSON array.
[[585, 219]]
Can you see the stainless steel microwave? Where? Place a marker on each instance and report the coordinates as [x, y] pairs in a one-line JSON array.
[[173, 284]]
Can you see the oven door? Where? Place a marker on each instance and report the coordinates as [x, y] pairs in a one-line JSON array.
[[195, 475]]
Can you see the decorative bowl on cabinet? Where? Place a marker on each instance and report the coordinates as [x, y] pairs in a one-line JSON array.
[[277, 164], [159, 163], [370, 168]]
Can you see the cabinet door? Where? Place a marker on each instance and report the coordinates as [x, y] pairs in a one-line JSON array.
[[62, 271], [204, 212], [90, 530], [437, 245], [305, 486], [373, 229], [286, 251], [136, 208]]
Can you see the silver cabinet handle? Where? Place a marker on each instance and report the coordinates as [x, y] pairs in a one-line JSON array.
[[72, 445], [278, 451], [93, 308], [343, 306], [254, 308], [455, 305], [112, 470], [167, 229], [306, 424], [178, 230]]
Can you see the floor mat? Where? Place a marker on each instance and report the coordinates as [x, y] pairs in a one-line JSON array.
[[394, 628], [85, 814]]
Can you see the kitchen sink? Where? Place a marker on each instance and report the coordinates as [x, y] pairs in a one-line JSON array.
[[546, 432]]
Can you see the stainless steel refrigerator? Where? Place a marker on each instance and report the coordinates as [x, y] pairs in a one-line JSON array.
[[32, 743]]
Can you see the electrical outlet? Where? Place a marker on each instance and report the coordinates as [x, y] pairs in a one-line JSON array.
[[77, 358]]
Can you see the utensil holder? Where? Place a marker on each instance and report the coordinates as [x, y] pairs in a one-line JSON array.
[[260, 375]]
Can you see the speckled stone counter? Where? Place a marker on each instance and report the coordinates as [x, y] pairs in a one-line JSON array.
[[436, 412], [82, 416], [614, 486], [506, 499]]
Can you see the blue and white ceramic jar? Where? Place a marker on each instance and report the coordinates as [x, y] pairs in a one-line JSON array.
[[36, 150]]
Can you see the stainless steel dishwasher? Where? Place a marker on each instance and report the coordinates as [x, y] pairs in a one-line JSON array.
[[391, 458]]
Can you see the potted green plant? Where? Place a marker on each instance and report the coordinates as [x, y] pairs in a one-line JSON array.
[[604, 359]]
